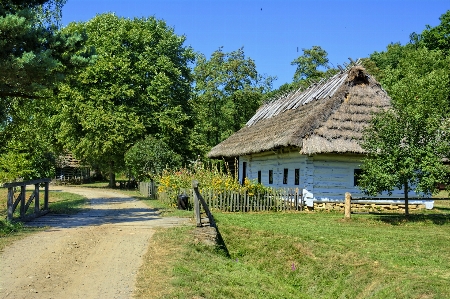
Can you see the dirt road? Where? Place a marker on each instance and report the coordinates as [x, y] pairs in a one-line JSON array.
[[93, 254]]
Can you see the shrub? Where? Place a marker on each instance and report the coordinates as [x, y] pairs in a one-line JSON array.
[[209, 178]]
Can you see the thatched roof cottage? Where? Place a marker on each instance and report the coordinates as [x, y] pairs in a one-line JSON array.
[[310, 139]]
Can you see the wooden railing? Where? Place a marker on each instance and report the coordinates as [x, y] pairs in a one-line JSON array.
[[198, 199], [12, 202]]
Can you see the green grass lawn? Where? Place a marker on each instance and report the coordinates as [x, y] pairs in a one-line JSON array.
[[293, 255], [310, 255]]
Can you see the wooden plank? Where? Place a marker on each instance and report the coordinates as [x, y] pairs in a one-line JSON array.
[[197, 206], [258, 202], [32, 196], [262, 202], [203, 203], [17, 201], [246, 202], [37, 208], [295, 199], [231, 202], [31, 182], [10, 203], [22, 200]]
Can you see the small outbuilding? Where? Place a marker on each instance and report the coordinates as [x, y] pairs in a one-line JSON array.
[[309, 139], [69, 169]]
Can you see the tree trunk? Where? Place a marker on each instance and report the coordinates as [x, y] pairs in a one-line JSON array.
[[406, 199], [112, 175]]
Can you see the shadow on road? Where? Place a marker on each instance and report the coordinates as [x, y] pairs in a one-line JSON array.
[[124, 211]]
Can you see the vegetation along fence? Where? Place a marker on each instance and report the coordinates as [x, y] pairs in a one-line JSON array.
[[286, 199], [12, 202]]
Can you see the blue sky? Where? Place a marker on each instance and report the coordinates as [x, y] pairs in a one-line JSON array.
[[273, 33]]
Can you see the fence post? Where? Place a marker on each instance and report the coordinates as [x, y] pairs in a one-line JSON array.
[[37, 208], [22, 200], [46, 196], [196, 204], [348, 205], [10, 203]]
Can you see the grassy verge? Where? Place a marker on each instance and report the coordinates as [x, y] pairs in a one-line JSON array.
[[59, 202], [311, 255], [156, 273]]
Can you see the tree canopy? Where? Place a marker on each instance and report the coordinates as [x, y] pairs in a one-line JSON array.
[[139, 85], [149, 157], [407, 145], [438, 37], [311, 66], [228, 91], [34, 57]]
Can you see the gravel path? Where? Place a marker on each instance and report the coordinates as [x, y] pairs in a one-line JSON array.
[[93, 254]]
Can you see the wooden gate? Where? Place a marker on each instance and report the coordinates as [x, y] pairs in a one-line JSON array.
[[12, 202]]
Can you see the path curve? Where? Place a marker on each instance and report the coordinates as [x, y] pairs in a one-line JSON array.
[[92, 254]]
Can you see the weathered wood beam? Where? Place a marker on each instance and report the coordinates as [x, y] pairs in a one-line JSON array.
[[32, 182]]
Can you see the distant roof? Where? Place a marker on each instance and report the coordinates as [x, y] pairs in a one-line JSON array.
[[67, 160], [327, 117]]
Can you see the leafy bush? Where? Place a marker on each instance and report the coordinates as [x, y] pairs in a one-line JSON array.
[[9, 227], [209, 178], [27, 166], [149, 157]]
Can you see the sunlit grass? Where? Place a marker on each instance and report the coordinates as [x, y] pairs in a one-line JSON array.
[[313, 255]]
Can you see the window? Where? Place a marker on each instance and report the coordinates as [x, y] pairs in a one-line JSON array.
[[297, 176], [285, 176], [270, 176], [356, 176], [244, 172], [259, 176]]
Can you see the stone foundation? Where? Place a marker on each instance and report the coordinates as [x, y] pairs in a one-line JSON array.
[[367, 207], [206, 235]]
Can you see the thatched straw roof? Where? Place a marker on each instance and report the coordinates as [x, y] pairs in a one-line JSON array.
[[328, 117], [67, 160]]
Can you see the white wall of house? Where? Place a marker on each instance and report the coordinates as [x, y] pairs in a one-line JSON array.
[[322, 177]]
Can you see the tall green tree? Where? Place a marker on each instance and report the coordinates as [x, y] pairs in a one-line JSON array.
[[149, 157], [228, 92], [432, 38], [34, 57], [27, 142], [438, 37], [311, 66], [139, 85], [34, 54], [407, 144]]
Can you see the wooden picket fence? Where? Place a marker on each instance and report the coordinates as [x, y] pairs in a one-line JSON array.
[[148, 189], [275, 200], [283, 199]]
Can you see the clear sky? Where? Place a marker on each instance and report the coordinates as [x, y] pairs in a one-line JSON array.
[[273, 33]]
